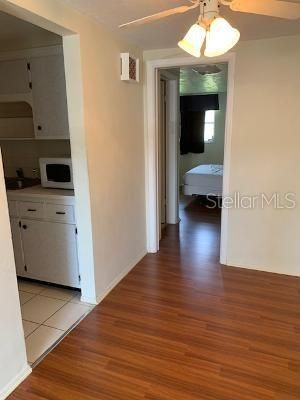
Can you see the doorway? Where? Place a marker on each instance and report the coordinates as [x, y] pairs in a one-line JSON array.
[[153, 68], [162, 157], [203, 97], [50, 224]]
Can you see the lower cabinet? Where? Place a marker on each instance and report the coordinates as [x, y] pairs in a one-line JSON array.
[[46, 251], [17, 243]]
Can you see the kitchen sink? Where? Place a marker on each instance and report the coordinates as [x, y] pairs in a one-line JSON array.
[[20, 183]]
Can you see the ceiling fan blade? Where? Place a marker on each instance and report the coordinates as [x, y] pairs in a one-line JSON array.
[[163, 14], [272, 8]]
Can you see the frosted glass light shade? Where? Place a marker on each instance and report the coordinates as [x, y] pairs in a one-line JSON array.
[[220, 38], [193, 40]]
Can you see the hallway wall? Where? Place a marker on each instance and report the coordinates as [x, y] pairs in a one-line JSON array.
[[264, 152], [113, 147]]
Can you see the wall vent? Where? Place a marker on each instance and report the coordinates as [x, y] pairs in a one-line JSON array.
[[130, 68]]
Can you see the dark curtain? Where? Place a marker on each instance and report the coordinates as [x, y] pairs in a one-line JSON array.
[[193, 110], [192, 132]]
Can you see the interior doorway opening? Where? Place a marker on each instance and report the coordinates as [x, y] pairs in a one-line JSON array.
[[41, 128], [169, 69], [201, 116]]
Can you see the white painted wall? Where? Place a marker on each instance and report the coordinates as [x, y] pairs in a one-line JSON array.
[[264, 152], [112, 116], [26, 154], [114, 140], [214, 152], [13, 363]]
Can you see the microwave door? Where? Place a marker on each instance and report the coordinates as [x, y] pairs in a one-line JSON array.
[[58, 173]]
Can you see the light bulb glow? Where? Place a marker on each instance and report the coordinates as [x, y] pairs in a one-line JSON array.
[[220, 38], [193, 40]]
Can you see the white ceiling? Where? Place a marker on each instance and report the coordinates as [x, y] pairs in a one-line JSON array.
[[193, 83], [166, 33]]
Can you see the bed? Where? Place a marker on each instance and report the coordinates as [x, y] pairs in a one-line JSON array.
[[204, 180]]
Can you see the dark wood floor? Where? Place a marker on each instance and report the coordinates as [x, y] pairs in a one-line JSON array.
[[182, 327]]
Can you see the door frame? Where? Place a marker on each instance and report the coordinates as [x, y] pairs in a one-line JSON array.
[[151, 143], [162, 152], [74, 90], [172, 145]]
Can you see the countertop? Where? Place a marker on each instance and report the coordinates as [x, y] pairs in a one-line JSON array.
[[40, 192]]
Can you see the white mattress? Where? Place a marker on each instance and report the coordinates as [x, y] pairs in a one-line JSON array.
[[204, 180]]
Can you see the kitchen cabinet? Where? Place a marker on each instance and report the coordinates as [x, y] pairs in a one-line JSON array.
[[50, 251], [14, 77], [50, 111], [16, 120], [37, 79], [44, 235], [17, 244]]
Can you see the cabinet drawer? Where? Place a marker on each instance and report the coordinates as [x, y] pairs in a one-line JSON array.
[[60, 213], [30, 209], [12, 208]]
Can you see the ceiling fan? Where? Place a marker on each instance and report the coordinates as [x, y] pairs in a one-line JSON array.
[[219, 34]]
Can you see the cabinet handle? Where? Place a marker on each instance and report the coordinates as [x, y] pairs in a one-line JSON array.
[[31, 210], [39, 127], [25, 227], [60, 213]]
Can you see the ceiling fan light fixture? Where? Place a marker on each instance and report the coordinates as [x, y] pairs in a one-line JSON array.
[[220, 38], [193, 40]]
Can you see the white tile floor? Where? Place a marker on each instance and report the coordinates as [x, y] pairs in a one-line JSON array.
[[47, 312]]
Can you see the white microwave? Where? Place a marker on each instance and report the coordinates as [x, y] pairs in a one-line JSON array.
[[56, 173]]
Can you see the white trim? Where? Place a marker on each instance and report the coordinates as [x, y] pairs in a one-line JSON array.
[[151, 143], [172, 156], [172, 145], [259, 268], [89, 300], [14, 383], [227, 160], [72, 60], [120, 277]]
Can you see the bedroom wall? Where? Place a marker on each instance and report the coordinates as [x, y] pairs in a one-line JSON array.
[[264, 152], [214, 152], [113, 145]]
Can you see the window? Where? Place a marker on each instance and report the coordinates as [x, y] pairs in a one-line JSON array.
[[209, 126]]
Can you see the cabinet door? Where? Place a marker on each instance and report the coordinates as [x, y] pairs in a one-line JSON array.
[[49, 97], [50, 252], [14, 77], [17, 243]]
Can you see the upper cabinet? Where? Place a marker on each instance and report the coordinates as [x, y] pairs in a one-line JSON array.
[[16, 120], [50, 111], [14, 77], [38, 80]]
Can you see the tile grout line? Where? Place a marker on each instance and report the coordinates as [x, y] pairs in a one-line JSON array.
[[90, 308], [64, 333], [43, 323]]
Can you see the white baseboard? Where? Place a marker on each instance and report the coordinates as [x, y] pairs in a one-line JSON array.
[[120, 277], [13, 384], [89, 300], [260, 268]]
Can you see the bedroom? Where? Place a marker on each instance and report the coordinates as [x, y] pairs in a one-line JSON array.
[[201, 116]]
